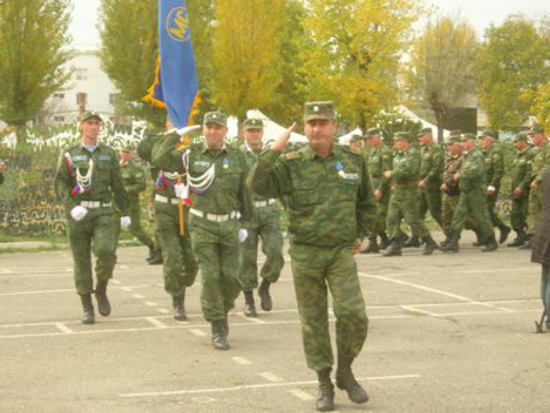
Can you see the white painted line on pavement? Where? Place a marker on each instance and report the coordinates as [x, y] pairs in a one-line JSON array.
[[156, 322], [270, 377], [127, 289], [151, 304], [61, 290], [5, 271], [117, 282], [414, 309], [251, 319], [63, 328], [123, 267], [481, 271], [302, 395], [197, 332], [258, 386], [163, 310], [436, 291], [241, 360], [138, 296]]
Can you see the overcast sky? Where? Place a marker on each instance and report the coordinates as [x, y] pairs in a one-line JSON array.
[[481, 13]]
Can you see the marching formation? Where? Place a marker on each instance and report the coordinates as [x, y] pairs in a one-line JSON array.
[[214, 202]]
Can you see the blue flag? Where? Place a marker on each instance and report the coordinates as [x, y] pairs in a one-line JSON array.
[[176, 83]]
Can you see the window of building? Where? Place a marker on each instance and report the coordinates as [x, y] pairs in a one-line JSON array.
[[81, 74], [113, 97], [59, 119], [81, 98], [59, 96]]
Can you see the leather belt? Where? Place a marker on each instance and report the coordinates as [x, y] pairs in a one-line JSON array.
[[263, 204], [215, 217], [166, 200], [94, 204]]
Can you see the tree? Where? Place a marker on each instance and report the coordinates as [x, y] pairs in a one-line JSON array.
[[246, 49], [442, 71], [33, 50], [354, 53], [511, 68]]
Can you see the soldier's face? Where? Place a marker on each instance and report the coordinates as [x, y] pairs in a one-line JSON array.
[[469, 144], [486, 142], [425, 139], [538, 139], [455, 149], [90, 130], [374, 141], [356, 144], [214, 135], [520, 145], [320, 133], [125, 155], [254, 137], [401, 144]]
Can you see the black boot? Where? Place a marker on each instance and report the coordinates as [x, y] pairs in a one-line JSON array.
[[157, 258], [479, 239], [88, 316], [527, 244], [219, 337], [152, 252], [452, 245], [413, 242], [384, 241], [103, 305], [249, 305], [265, 297], [491, 244], [346, 381], [431, 245], [504, 232], [520, 239], [445, 241], [394, 249], [372, 247], [178, 303], [325, 397]]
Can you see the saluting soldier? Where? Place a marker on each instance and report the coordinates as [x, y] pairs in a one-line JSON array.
[[405, 196], [521, 179], [134, 181], [379, 159], [540, 164], [331, 206], [494, 167], [265, 225], [86, 181], [179, 264], [219, 215], [472, 200]]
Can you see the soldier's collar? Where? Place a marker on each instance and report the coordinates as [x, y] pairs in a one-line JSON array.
[[205, 148], [310, 153], [248, 148]]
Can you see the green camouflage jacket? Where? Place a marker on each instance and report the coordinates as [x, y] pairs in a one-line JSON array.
[[406, 167], [541, 163], [452, 166], [251, 158], [431, 166], [494, 165], [329, 200], [472, 171], [379, 160], [106, 178], [521, 171], [133, 178]]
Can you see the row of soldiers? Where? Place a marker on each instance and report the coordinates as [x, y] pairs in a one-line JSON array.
[[460, 188]]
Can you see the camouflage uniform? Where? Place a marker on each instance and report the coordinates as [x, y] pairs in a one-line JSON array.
[[264, 224], [521, 178], [540, 164], [97, 229], [494, 167], [329, 203], [133, 178], [379, 160], [179, 264], [431, 170]]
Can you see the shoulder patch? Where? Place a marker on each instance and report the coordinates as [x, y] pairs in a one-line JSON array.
[[292, 156]]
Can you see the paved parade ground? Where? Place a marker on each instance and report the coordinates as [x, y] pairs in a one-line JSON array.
[[448, 333]]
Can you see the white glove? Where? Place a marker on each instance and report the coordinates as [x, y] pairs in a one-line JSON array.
[[243, 235], [125, 222], [78, 213], [491, 189], [182, 191]]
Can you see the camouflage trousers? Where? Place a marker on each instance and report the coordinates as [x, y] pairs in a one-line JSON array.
[[264, 225], [518, 214], [430, 200], [216, 246], [491, 204], [472, 204], [404, 202], [179, 265], [135, 227], [314, 269], [535, 205], [95, 232], [545, 287], [449, 204]]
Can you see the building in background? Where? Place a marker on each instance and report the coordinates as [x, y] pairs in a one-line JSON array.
[[88, 88]]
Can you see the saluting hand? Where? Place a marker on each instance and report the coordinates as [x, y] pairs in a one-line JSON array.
[[378, 194], [283, 138]]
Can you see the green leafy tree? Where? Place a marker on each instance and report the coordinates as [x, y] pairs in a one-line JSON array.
[[442, 66], [511, 68], [33, 50], [354, 52], [246, 54]]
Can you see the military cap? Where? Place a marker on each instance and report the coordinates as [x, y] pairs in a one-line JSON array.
[[536, 129], [399, 136], [356, 138], [468, 136], [372, 132], [423, 131], [520, 137], [218, 118], [253, 123], [488, 133], [88, 115], [319, 110]]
